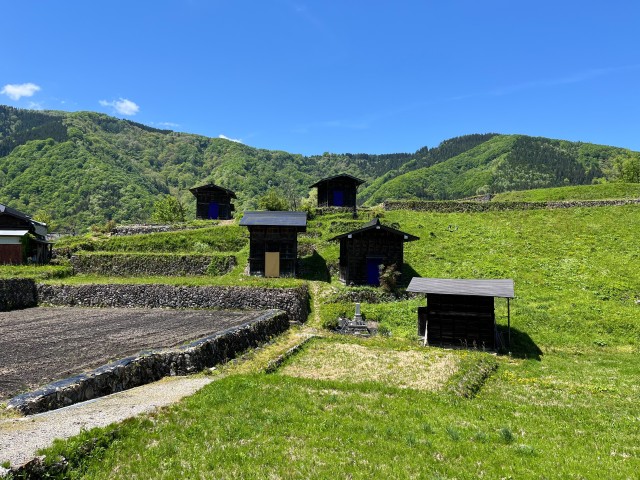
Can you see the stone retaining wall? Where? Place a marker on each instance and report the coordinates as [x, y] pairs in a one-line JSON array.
[[125, 264], [17, 293], [141, 229], [294, 301], [151, 366], [453, 206]]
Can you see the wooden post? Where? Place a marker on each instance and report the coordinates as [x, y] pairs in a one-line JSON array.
[[508, 323]]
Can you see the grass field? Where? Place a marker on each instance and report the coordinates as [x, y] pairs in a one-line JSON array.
[[607, 191], [563, 405]]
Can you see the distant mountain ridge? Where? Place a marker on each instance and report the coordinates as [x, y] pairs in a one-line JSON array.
[[85, 168]]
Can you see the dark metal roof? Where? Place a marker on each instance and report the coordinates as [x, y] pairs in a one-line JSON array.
[[37, 228], [212, 186], [483, 288], [356, 180], [274, 219], [15, 213], [376, 225]]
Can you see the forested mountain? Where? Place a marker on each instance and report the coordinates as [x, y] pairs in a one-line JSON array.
[[85, 168], [512, 162]]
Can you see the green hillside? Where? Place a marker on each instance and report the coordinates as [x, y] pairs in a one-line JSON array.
[[510, 162], [606, 191], [79, 169], [85, 168], [563, 404]]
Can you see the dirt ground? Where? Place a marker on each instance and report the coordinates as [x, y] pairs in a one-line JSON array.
[[41, 345]]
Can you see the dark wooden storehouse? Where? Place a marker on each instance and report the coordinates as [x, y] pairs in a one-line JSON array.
[[337, 191], [273, 242], [363, 251], [22, 239], [461, 312], [213, 202]]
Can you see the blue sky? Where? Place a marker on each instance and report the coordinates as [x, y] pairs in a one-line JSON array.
[[339, 76]]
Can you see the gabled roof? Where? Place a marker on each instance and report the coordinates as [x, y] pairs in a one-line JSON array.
[[355, 180], [376, 225], [274, 219], [212, 186], [15, 213], [482, 288], [38, 228]]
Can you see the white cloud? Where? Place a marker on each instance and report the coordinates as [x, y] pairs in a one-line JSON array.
[[35, 106], [237, 140], [16, 91], [122, 106], [168, 124]]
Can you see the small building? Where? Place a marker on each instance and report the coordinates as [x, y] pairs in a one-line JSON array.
[[337, 191], [213, 202], [273, 242], [363, 251], [461, 312], [22, 239]]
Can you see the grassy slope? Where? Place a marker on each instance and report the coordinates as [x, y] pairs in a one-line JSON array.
[[607, 191], [503, 163], [453, 178], [568, 410]]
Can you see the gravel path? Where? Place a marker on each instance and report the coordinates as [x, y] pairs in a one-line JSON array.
[[20, 438], [41, 345]]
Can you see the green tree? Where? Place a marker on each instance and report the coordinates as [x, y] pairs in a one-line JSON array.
[[168, 209], [630, 169], [273, 200]]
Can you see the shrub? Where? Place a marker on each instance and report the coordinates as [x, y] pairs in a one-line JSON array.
[[168, 209], [273, 200], [389, 277]]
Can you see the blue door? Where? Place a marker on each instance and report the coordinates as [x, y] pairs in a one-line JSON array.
[[373, 271], [214, 210], [338, 198]]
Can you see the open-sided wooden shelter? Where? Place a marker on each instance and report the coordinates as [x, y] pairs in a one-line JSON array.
[[273, 242], [213, 202], [22, 239], [461, 312], [364, 250], [337, 191]]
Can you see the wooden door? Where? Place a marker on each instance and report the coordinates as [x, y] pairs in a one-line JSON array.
[[338, 198], [272, 264], [373, 271], [214, 210]]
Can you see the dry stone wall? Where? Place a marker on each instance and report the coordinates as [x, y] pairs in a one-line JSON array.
[[121, 264], [453, 206], [17, 293], [294, 301], [150, 366]]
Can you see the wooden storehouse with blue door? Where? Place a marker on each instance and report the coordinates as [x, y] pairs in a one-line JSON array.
[[364, 251], [461, 312], [338, 191], [273, 242], [213, 202]]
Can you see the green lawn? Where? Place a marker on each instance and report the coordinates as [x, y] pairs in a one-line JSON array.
[[563, 405], [607, 191], [552, 419]]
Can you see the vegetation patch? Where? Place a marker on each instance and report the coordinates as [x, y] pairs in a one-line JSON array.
[[605, 191], [473, 371], [220, 238], [132, 264], [424, 369]]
